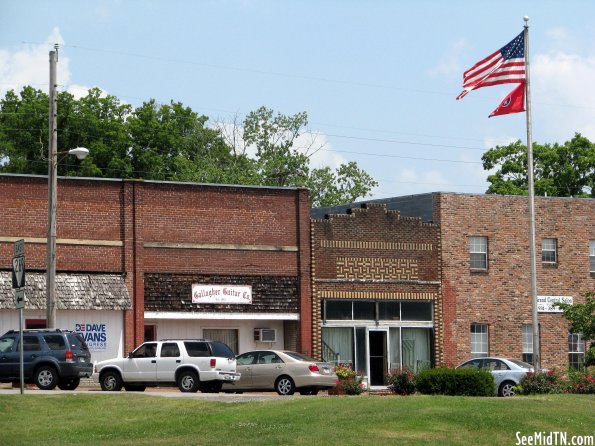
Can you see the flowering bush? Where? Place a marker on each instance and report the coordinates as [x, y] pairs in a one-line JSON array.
[[401, 381], [580, 383], [349, 381], [540, 382]]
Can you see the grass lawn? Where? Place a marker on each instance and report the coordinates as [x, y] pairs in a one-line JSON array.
[[138, 419]]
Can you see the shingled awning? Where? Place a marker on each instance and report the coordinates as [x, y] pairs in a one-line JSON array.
[[73, 292]]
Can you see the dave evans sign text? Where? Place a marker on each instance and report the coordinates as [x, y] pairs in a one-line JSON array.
[[95, 335], [545, 304], [221, 294]]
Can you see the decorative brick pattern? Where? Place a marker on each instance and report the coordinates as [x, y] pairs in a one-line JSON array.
[[392, 246], [369, 268]]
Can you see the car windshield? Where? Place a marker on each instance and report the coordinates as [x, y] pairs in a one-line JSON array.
[[299, 356], [521, 364]]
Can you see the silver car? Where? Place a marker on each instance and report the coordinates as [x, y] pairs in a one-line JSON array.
[[507, 372], [282, 371]]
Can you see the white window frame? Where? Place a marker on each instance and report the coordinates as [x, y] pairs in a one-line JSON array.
[[478, 246], [527, 343], [479, 340], [576, 346], [549, 245], [592, 256]]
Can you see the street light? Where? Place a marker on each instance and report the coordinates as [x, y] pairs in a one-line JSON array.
[[80, 153]]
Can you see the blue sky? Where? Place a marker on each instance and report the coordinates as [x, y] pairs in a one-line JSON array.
[[378, 79]]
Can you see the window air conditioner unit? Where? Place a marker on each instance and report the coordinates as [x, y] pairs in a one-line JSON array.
[[265, 335]]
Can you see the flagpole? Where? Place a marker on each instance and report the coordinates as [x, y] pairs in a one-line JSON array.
[[536, 352]]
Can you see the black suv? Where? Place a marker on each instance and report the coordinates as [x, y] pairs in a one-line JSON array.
[[50, 358]]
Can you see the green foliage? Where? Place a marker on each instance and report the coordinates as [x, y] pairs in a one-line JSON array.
[[167, 142], [401, 382], [445, 381], [560, 170], [582, 320], [580, 383]]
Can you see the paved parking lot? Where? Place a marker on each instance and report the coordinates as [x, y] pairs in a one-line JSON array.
[[165, 392]]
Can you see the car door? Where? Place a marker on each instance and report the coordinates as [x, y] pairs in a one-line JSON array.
[[9, 357], [141, 364], [168, 361], [266, 370], [499, 370], [244, 365]]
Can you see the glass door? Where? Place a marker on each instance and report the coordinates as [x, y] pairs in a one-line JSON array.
[[378, 349]]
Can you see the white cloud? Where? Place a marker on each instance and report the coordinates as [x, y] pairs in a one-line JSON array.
[[30, 66], [448, 64], [561, 95]]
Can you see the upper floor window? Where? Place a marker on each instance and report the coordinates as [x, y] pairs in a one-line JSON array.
[[548, 250], [479, 340], [478, 251], [592, 256]]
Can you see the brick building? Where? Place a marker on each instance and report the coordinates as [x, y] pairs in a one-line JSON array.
[[376, 291], [484, 270], [143, 259]]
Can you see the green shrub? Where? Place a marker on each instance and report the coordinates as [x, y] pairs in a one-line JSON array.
[[580, 383], [401, 381], [350, 381], [540, 382], [444, 381]]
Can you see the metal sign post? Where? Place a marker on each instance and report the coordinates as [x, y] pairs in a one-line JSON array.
[[18, 284]]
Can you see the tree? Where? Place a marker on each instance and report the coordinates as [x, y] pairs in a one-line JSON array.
[[168, 142], [582, 320], [560, 170]]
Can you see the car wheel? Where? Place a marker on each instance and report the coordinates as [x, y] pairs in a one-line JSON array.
[[69, 383], [134, 388], [506, 389], [110, 381], [188, 381], [211, 387], [46, 377], [285, 385]]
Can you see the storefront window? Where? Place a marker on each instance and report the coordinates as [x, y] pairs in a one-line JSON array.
[[364, 310], [416, 311], [360, 350], [389, 310], [337, 344], [417, 349], [339, 310]]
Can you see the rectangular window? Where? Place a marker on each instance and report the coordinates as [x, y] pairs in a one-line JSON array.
[[592, 256], [478, 251], [527, 339], [576, 351], [548, 250], [479, 340]]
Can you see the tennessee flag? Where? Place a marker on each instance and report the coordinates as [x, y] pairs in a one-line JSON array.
[[513, 103]]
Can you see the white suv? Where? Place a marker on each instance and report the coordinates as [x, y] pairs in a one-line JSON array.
[[190, 364]]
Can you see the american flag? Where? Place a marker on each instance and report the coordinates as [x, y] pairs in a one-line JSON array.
[[507, 65]]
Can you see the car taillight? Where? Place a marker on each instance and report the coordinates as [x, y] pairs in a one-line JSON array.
[[69, 355], [313, 368], [213, 363]]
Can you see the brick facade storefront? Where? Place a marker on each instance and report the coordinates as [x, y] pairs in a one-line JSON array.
[[374, 256], [160, 237]]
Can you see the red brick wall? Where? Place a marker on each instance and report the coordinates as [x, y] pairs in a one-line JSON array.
[[130, 214], [500, 297]]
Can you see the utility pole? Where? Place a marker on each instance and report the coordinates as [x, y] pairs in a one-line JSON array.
[[52, 194]]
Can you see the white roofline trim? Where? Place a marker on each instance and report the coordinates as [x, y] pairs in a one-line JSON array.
[[221, 316]]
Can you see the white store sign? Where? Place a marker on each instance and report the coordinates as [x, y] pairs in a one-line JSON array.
[[545, 304], [221, 294]]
